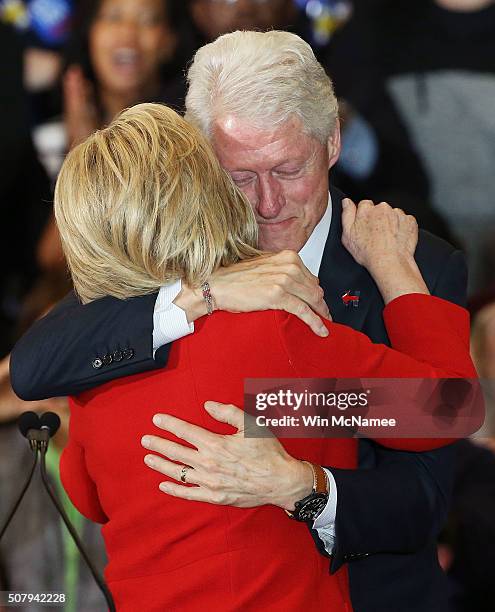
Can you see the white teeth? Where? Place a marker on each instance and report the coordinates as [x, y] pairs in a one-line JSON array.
[[125, 56]]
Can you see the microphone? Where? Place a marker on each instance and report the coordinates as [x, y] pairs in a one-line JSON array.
[[29, 425], [28, 420], [50, 421], [39, 430]]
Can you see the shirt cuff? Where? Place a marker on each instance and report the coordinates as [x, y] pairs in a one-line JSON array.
[[169, 321], [325, 522]]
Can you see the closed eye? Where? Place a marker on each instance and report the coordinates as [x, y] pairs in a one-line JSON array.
[[288, 173], [242, 179]]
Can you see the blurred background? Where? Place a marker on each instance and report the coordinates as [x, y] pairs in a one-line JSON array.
[[416, 84]]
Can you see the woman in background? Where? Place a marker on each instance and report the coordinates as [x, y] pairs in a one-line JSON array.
[[122, 52]]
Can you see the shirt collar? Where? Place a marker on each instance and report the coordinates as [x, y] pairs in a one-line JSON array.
[[312, 252]]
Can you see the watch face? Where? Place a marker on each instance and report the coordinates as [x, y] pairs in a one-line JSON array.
[[311, 507]]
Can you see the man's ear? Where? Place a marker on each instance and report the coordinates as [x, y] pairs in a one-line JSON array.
[[334, 145]]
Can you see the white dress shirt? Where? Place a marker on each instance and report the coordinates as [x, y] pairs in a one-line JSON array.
[[170, 323]]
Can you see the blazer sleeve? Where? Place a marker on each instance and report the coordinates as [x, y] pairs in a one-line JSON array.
[[430, 337], [76, 347], [398, 506]]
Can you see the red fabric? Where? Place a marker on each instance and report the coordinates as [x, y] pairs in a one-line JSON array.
[[171, 554]]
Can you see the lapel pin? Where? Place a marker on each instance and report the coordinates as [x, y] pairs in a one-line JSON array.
[[351, 297]]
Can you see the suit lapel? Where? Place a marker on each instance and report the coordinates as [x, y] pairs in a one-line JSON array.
[[340, 273]]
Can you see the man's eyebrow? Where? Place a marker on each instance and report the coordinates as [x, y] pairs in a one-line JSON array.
[[291, 162], [298, 161]]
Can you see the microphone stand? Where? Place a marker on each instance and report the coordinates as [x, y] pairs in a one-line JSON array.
[[38, 440], [99, 581], [23, 492]]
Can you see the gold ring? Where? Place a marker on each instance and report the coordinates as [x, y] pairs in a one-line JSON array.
[[183, 472]]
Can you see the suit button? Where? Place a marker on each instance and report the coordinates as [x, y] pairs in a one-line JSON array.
[[97, 363], [129, 353], [107, 359], [118, 356]]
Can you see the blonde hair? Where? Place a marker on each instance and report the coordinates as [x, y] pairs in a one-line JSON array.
[[263, 77], [145, 201]]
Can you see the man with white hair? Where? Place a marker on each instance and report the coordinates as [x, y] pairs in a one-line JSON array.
[[268, 108]]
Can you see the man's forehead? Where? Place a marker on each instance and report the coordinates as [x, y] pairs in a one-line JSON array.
[[231, 135], [242, 129]]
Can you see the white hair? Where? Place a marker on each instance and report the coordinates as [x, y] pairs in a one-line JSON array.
[[263, 77]]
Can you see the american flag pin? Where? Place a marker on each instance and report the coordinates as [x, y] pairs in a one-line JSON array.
[[351, 297]]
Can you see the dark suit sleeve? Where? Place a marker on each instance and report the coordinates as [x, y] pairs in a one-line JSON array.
[[58, 354], [396, 507], [401, 502], [451, 284]]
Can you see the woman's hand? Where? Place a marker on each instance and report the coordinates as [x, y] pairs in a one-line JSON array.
[[274, 281], [383, 240], [372, 232], [80, 113]]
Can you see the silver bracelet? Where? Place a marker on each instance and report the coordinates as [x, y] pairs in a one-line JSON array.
[[208, 298]]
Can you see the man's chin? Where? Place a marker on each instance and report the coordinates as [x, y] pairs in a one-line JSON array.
[[276, 237], [273, 245]]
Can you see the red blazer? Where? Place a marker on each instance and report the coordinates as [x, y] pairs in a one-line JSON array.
[[171, 554]]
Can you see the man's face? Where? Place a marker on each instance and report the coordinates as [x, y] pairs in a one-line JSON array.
[[284, 174]]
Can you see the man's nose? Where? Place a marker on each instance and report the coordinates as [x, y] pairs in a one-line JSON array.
[[270, 198]]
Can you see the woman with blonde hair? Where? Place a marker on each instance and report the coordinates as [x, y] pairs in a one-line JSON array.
[[143, 202]]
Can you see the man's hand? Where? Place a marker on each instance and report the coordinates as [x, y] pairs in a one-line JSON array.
[[229, 470], [383, 239]]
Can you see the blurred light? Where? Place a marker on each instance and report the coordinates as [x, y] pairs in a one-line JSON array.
[[314, 9], [343, 10], [14, 12], [50, 19]]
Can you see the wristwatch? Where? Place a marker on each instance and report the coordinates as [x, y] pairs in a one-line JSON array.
[[311, 506]]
